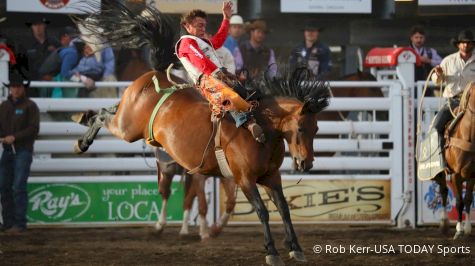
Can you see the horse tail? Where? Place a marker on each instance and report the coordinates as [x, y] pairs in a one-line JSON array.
[[120, 27]]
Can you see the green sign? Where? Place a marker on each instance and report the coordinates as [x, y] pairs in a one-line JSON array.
[[101, 202]]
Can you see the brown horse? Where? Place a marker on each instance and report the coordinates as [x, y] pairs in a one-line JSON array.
[[195, 184], [183, 127], [460, 157]]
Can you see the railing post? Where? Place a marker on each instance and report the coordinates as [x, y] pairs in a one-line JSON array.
[[4, 60]]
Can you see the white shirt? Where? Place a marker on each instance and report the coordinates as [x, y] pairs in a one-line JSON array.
[[227, 59], [457, 74]]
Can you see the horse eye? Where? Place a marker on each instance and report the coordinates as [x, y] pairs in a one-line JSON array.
[[301, 129]]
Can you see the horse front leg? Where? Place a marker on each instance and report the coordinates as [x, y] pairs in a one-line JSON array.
[[457, 184], [229, 187], [252, 194], [444, 191], [274, 189], [467, 226]]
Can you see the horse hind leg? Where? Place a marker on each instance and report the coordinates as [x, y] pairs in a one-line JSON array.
[[95, 122], [229, 187], [467, 226], [444, 191], [164, 186]]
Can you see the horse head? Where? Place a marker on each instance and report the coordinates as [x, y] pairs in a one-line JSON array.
[[295, 115]]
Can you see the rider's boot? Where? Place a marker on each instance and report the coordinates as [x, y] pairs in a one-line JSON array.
[[255, 129]]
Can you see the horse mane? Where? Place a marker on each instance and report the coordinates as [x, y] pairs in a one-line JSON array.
[[119, 27], [300, 84]]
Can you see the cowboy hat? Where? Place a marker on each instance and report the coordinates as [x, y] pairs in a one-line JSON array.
[[36, 21], [257, 24], [311, 25], [464, 36], [236, 20], [17, 79]]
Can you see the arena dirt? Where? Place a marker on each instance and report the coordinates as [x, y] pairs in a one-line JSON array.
[[237, 245]]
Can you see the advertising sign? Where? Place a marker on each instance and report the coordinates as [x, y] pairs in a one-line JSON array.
[[325, 6], [104, 202], [430, 203], [183, 6], [51, 6], [323, 200]]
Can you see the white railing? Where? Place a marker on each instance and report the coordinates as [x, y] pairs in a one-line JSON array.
[[364, 148]]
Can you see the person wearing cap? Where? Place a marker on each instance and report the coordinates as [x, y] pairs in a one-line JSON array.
[[253, 55], [19, 127], [456, 72], [201, 62], [38, 48], [428, 56], [236, 30], [311, 53]]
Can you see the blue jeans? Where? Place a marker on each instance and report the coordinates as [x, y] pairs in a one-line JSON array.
[[14, 172], [444, 116]]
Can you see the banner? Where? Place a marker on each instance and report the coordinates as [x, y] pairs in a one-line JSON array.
[[430, 203], [51, 6], [183, 6], [323, 200], [325, 6], [103, 202], [445, 2]]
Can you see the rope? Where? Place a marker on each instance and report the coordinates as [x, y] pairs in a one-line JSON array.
[[419, 116]]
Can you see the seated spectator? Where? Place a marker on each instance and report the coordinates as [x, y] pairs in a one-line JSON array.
[[88, 70], [99, 56], [253, 55]]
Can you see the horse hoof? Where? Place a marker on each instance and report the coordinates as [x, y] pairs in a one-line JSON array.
[[297, 255], [78, 149], [204, 238], [274, 260], [458, 235], [215, 230], [184, 232], [159, 228]]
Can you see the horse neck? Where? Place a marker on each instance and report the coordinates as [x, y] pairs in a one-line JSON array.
[[466, 127], [277, 110]]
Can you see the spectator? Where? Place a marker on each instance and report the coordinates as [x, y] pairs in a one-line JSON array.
[[456, 71], [19, 126], [37, 49], [312, 53], [69, 56], [428, 56], [236, 30], [252, 55], [100, 60]]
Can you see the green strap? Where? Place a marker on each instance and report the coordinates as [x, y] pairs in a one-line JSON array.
[[166, 93]]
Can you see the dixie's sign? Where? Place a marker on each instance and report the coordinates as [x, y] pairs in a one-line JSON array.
[[324, 200], [101, 202]]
